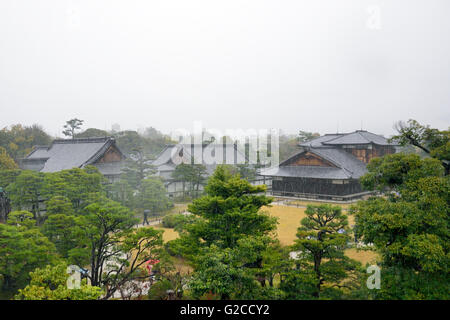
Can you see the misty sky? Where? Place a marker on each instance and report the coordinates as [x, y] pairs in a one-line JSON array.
[[313, 65]]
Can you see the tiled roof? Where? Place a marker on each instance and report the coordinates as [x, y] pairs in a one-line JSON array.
[[347, 166], [73, 153], [317, 142], [357, 137], [306, 172], [205, 154], [342, 159]]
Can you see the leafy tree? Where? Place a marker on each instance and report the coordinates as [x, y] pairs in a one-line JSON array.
[[178, 221], [65, 231], [151, 141], [322, 238], [288, 146], [393, 172], [153, 196], [25, 192], [50, 283], [22, 249], [304, 136], [128, 141], [138, 167], [227, 239], [263, 257], [246, 171], [21, 218], [71, 126], [193, 175], [92, 133], [7, 177], [122, 192], [432, 141], [6, 162], [218, 273], [18, 140], [182, 173], [59, 205], [117, 250], [230, 210], [409, 230], [77, 185]]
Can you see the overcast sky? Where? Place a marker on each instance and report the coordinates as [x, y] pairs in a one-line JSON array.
[[317, 65]]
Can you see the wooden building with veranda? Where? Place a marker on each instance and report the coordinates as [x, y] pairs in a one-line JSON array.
[[328, 167]]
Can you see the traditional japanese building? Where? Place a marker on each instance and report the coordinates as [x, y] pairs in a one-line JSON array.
[[210, 155], [328, 167], [102, 153]]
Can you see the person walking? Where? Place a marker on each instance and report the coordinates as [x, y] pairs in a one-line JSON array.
[[146, 212]]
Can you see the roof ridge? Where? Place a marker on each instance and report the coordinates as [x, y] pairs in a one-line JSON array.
[[359, 132], [82, 140]]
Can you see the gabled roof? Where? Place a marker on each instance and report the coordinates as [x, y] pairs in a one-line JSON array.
[[73, 153], [201, 154], [346, 165], [306, 172], [317, 142], [357, 137]]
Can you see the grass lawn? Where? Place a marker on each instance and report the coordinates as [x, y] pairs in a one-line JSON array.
[[344, 206], [288, 222], [169, 233]]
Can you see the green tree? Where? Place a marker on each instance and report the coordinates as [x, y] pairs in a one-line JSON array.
[[21, 218], [117, 250], [219, 273], [18, 140], [25, 192], [66, 232], [50, 283], [122, 192], [263, 257], [72, 126], [228, 237], [138, 167], [305, 136], [22, 249], [80, 186], [393, 172], [230, 210], [432, 141], [7, 177], [191, 175], [288, 145], [92, 133], [59, 205], [6, 162], [246, 171], [322, 239], [409, 230], [153, 196]]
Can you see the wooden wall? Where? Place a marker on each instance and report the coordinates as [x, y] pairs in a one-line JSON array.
[[315, 186], [309, 159], [111, 155], [365, 154]]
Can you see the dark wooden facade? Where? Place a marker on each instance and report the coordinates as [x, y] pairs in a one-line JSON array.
[[315, 188], [329, 168]]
